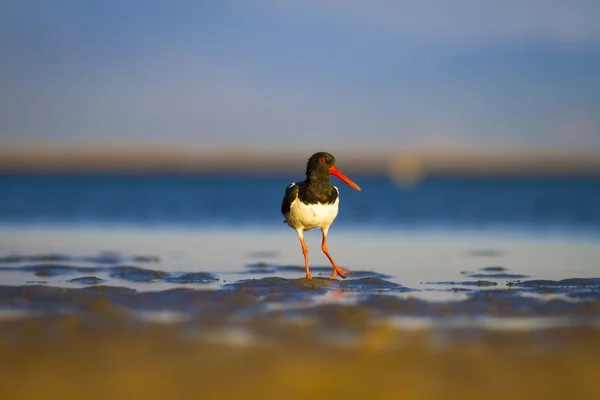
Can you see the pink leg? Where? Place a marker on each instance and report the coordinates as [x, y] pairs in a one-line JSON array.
[[305, 254], [336, 270]]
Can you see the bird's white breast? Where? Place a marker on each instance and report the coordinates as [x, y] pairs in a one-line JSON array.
[[310, 216]]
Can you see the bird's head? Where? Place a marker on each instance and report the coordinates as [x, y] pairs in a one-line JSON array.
[[322, 164]]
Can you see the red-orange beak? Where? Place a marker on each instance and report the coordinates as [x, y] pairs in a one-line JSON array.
[[336, 172]]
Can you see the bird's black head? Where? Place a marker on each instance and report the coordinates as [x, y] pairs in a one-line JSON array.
[[318, 165]]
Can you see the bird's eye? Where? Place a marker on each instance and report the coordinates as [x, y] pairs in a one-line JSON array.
[[321, 160]]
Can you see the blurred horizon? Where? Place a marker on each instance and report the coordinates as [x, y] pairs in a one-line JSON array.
[[405, 165], [302, 74]]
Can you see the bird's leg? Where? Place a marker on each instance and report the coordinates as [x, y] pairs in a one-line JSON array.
[[305, 254], [336, 270]]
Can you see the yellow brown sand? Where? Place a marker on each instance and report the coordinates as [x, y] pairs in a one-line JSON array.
[[71, 358]]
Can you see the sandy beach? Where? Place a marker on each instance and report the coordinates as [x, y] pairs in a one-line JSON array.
[[226, 314]]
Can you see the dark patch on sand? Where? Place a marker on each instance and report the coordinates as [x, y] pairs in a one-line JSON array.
[[50, 270], [259, 268], [87, 280], [577, 283], [498, 276], [280, 285], [493, 269], [136, 274], [580, 288], [109, 258], [18, 258], [190, 277], [464, 283], [102, 258], [370, 284]]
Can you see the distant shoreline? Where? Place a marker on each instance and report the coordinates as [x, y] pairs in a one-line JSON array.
[[405, 164]]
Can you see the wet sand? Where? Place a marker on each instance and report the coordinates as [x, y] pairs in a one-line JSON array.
[[150, 314]]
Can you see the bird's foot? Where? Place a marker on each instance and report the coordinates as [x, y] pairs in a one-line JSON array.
[[341, 272], [308, 276]]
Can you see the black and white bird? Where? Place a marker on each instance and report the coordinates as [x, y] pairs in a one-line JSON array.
[[314, 203]]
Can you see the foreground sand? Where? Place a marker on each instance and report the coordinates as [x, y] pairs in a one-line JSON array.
[[78, 361], [116, 360], [105, 342], [447, 320]]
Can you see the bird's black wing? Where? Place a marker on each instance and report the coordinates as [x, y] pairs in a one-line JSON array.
[[291, 193]]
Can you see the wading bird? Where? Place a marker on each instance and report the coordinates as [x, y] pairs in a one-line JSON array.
[[314, 203]]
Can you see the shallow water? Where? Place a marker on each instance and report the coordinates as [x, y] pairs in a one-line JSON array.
[[441, 281]]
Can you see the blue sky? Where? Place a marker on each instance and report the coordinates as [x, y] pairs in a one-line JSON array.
[[415, 73]]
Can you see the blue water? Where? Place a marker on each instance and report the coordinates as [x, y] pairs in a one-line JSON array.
[[525, 204]]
